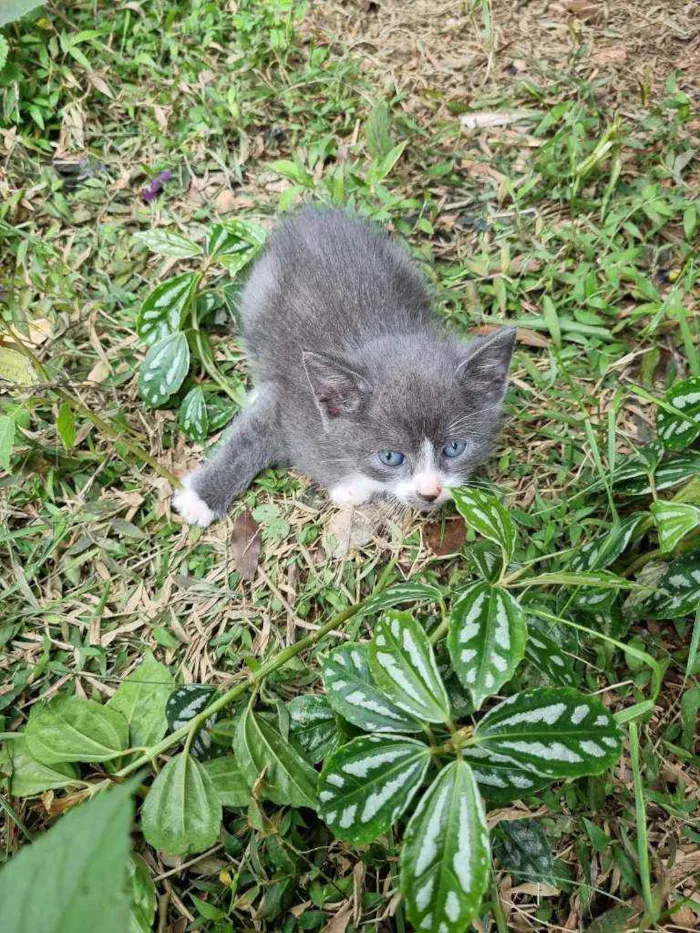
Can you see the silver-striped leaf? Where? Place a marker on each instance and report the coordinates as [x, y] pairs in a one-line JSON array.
[[352, 694], [678, 591], [400, 593], [548, 658], [488, 559], [633, 478], [674, 520], [367, 784], [193, 417], [677, 431], [403, 666], [445, 858], [289, 779], [168, 243], [604, 550], [486, 639], [554, 732], [313, 729], [500, 778], [186, 702], [486, 515], [163, 311], [164, 369]]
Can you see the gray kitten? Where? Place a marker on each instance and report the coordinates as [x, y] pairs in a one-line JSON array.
[[357, 384]]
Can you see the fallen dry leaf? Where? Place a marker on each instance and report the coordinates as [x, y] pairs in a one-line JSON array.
[[350, 527], [245, 545], [474, 121], [446, 538], [339, 923], [610, 56], [529, 338]]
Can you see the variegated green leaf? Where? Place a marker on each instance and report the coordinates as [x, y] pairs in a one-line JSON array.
[[288, 778], [403, 666], [183, 705], [193, 417], [401, 593], [604, 550], [352, 693], [633, 477], [445, 858], [603, 579], [548, 658], [488, 558], [236, 243], [554, 732], [162, 312], [486, 515], [486, 639], [164, 369], [312, 726], [367, 784], [674, 520], [591, 600], [523, 849], [677, 431], [678, 590], [168, 243], [500, 778]]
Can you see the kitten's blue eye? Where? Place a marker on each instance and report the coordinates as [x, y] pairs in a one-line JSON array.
[[391, 458], [454, 449]]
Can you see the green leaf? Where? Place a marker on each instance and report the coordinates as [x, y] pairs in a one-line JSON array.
[[143, 896], [547, 658], [605, 550], [4, 51], [182, 813], [162, 312], [500, 778], [30, 777], [603, 579], [485, 514], [367, 784], [674, 520], [164, 369], [237, 240], [678, 591], [7, 439], [15, 9], [141, 699], [679, 431], [313, 729], [293, 171], [72, 878], [633, 478], [486, 639], [488, 559], [183, 705], [400, 593], [232, 787], [193, 417], [379, 141], [403, 666], [351, 693], [551, 319], [71, 729], [380, 170], [445, 859], [65, 425], [289, 779], [554, 732], [168, 243], [523, 850]]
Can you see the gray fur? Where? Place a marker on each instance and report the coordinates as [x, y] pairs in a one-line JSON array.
[[349, 360]]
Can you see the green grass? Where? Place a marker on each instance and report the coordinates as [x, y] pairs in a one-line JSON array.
[[582, 230]]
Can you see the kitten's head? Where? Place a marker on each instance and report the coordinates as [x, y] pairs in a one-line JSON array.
[[410, 417]]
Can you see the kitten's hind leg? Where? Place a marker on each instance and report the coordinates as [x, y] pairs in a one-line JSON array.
[[252, 443]]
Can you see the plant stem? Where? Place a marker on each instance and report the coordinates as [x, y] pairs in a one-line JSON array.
[[253, 680]]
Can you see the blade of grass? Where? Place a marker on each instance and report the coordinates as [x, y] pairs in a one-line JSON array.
[[641, 821]]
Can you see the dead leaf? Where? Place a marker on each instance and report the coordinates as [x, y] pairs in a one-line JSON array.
[[474, 121], [609, 56], [162, 115], [339, 923], [245, 545], [536, 889], [446, 538], [100, 84], [529, 338], [72, 135], [349, 528], [99, 372]]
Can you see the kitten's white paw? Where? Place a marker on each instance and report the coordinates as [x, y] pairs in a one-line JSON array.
[[194, 510], [354, 490]]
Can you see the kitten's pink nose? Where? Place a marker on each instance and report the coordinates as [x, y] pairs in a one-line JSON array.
[[428, 487]]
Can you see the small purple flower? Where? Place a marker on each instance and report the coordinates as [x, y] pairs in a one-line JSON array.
[[151, 192]]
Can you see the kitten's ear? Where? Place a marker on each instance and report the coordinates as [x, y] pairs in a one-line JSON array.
[[484, 370], [338, 389]]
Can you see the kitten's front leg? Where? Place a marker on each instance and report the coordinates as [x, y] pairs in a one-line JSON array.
[[253, 442]]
